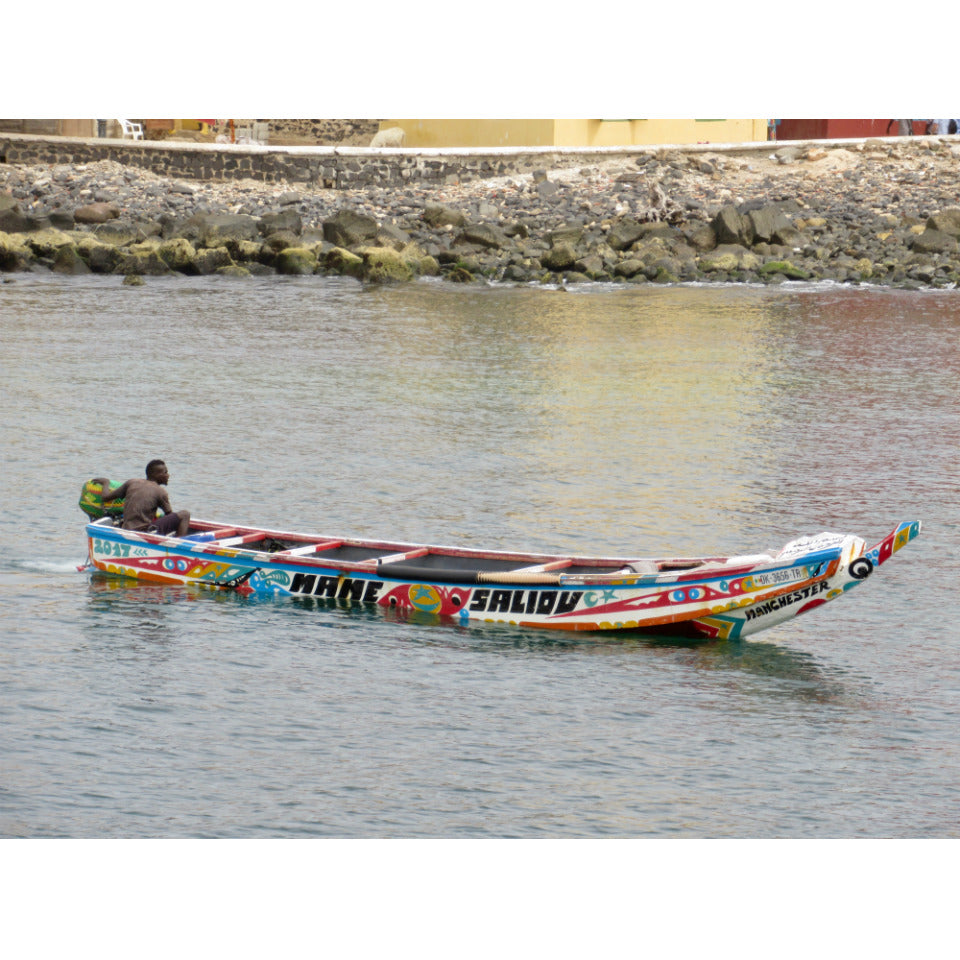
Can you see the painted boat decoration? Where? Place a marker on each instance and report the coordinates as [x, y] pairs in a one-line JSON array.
[[716, 597]]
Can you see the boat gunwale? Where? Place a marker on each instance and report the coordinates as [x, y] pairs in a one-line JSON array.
[[708, 569]]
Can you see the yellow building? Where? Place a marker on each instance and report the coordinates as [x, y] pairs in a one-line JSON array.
[[574, 133]]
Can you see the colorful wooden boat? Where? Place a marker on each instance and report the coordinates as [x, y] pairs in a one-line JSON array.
[[722, 597]]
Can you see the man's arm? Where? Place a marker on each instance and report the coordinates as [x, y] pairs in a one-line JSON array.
[[118, 494]]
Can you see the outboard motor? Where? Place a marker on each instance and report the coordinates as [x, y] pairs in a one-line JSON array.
[[92, 504]]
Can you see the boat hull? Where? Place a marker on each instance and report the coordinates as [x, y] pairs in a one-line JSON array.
[[701, 597]]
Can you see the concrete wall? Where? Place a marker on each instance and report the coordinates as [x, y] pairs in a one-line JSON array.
[[328, 167]]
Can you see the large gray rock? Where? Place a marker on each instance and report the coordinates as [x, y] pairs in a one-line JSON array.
[[211, 260], [767, 222], [390, 235], [571, 232], [547, 190], [349, 229], [11, 219], [728, 257], [100, 257], [123, 232], [701, 237], [179, 255], [62, 219], [484, 235], [438, 215], [624, 233], [96, 213], [561, 256], [933, 241], [218, 228], [728, 225], [285, 220], [628, 268], [946, 221]]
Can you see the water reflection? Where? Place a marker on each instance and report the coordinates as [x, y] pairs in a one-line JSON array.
[[139, 614], [800, 675]]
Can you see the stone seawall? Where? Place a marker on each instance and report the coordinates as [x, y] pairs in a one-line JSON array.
[[338, 168], [880, 211]]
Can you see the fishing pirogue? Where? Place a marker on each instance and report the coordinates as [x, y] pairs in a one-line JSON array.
[[720, 597]]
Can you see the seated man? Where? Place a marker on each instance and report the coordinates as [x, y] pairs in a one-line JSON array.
[[141, 498]]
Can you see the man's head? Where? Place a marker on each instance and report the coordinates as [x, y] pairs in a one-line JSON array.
[[157, 471]]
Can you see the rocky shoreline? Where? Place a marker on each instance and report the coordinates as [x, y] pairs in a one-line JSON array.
[[880, 212]]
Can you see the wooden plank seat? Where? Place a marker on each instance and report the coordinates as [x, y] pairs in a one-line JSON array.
[[309, 548]]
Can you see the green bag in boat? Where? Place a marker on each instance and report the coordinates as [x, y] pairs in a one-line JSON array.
[[92, 504]]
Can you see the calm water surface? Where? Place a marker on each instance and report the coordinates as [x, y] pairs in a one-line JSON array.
[[647, 420]]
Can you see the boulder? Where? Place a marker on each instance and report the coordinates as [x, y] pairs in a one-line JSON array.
[[101, 257], [663, 270], [728, 225], [592, 267], [788, 154], [122, 232], [216, 229], [297, 261], [47, 243], [438, 215], [234, 270], [96, 213], [701, 237], [211, 259], [281, 240], [624, 233], [68, 261], [483, 235], [349, 229], [547, 189], [784, 268], [571, 233], [728, 257], [142, 260], [767, 222], [385, 265], [344, 262], [179, 254], [422, 263], [62, 219], [933, 241], [561, 256], [660, 229], [460, 275], [946, 221], [245, 250], [390, 235], [14, 253], [11, 219], [287, 220], [628, 268]]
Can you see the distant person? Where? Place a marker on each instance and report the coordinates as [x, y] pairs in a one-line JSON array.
[[904, 127], [142, 498]]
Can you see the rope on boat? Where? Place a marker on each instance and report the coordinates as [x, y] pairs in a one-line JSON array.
[[235, 582]]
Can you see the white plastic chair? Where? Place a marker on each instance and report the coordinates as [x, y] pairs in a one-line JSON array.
[[131, 130]]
